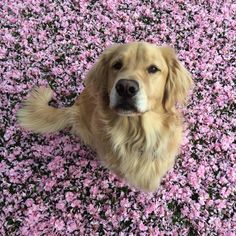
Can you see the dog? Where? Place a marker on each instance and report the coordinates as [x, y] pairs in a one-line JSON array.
[[127, 111]]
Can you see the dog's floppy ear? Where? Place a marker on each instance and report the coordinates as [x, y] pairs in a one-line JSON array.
[[178, 81], [97, 77]]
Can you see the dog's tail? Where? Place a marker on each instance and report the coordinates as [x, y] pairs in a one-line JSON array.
[[36, 115]]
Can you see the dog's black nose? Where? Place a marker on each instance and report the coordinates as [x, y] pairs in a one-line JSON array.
[[127, 88]]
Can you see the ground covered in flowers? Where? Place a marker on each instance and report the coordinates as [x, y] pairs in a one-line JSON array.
[[53, 184]]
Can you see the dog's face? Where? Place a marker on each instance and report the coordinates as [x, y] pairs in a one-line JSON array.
[[139, 77], [136, 78]]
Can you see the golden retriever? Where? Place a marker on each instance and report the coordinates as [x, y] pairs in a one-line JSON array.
[[127, 111]]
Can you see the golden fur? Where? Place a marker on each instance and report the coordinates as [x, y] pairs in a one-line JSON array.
[[139, 147]]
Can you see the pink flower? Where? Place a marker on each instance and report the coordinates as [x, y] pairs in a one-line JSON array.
[[225, 192], [70, 196], [142, 227], [59, 225], [61, 205], [56, 163], [8, 38], [76, 203], [221, 204], [209, 120], [193, 179], [71, 226], [201, 171], [49, 184], [226, 142], [3, 52], [57, 70]]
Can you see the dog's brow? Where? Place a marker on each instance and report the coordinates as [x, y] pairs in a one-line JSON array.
[[117, 58]]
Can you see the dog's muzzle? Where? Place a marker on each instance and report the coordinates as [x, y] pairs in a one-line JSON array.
[[126, 91]]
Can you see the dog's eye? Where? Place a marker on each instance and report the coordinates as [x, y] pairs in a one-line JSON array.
[[152, 69], [117, 65]]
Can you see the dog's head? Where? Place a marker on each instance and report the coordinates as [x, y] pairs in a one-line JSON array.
[[139, 77]]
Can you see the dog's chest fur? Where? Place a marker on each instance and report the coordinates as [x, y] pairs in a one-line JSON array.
[[139, 148]]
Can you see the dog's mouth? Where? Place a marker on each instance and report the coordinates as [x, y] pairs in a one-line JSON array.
[[126, 109], [127, 105]]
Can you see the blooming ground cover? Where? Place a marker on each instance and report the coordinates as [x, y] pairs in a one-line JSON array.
[[53, 184]]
